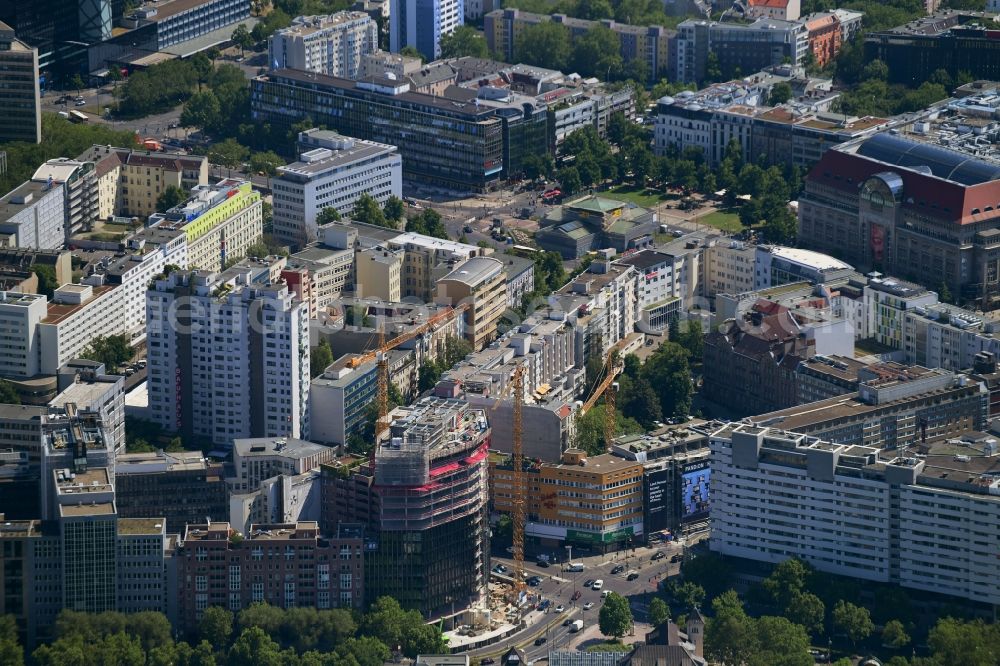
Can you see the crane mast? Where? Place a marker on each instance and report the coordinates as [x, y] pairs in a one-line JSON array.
[[520, 489]]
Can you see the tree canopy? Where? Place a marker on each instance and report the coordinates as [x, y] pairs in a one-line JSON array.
[[615, 617], [464, 41]]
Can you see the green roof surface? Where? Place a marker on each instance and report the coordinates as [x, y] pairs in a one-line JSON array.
[[596, 204]]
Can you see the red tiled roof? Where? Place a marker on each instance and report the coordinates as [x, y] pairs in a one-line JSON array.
[[769, 3], [942, 199]]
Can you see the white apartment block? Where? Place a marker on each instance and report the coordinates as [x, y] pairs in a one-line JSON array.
[[258, 459], [334, 45], [334, 173], [661, 286], [20, 315], [329, 270], [227, 358], [930, 523], [77, 314], [730, 267], [604, 300], [33, 215], [427, 259]]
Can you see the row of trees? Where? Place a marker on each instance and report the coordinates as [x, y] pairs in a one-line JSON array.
[[595, 53], [261, 634], [634, 12]]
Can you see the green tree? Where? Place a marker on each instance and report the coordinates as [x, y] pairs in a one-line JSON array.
[[730, 636], [11, 651], [781, 643], [113, 351], [9, 394], [615, 618], [594, 10], [668, 373], [367, 210], [366, 650], [590, 429], [216, 626], [692, 338], [807, 609], [327, 215], [686, 594], [266, 163], [545, 44], [229, 154], [713, 71], [659, 612], [780, 93], [46, 275], [428, 222], [171, 196], [972, 643], [241, 37], [640, 402], [412, 52], [254, 646], [894, 635], [787, 581], [393, 209], [389, 623], [320, 358], [201, 111], [464, 41], [854, 621], [428, 376], [596, 53], [569, 179]]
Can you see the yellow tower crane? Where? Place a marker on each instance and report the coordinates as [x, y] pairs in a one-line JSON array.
[[520, 487]]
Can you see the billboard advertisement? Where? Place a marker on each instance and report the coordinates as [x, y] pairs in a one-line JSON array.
[[658, 499], [694, 491]]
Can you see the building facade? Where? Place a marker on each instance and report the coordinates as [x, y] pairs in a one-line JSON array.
[[335, 45], [334, 173], [20, 105], [422, 23], [227, 359], [480, 283]]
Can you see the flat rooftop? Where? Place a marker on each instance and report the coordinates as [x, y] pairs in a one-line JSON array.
[[320, 160], [93, 509], [138, 526], [604, 463], [33, 189], [285, 447], [475, 270], [60, 312], [160, 461]]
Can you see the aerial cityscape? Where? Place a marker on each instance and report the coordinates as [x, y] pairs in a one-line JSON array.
[[499, 333]]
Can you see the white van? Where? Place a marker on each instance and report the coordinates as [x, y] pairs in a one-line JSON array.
[[574, 567], [598, 584]]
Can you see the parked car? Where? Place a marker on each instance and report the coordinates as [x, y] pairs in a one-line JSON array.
[[617, 570], [500, 569], [576, 595], [598, 584], [534, 581], [540, 640], [677, 557], [542, 563], [588, 582], [658, 555], [632, 575], [588, 605], [560, 608]]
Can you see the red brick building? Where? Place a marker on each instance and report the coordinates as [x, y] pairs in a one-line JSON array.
[[285, 565], [825, 36]]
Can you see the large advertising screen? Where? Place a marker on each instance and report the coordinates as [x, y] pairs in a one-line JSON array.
[[694, 491], [658, 498]]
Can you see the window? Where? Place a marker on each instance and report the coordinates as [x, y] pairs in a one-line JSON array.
[[257, 592], [345, 581], [201, 583], [235, 603]]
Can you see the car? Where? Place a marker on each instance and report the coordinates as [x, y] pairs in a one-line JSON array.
[[542, 563], [544, 604], [598, 584], [560, 608], [510, 549], [632, 576], [80, 102], [589, 582], [540, 640], [605, 593], [617, 570], [467, 229], [588, 605], [677, 557], [576, 595], [489, 661], [534, 581], [658, 555], [500, 569]]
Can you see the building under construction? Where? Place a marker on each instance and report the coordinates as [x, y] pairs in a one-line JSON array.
[[423, 497]]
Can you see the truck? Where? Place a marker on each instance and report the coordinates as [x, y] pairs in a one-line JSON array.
[[574, 567], [576, 626]]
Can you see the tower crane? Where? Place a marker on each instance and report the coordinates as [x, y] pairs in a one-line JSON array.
[[520, 490], [607, 387]]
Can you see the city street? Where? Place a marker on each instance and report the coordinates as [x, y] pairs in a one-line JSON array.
[[558, 586]]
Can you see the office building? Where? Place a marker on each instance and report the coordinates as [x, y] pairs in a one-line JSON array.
[[227, 358], [740, 48], [595, 223], [333, 45], [776, 265], [130, 181], [20, 105], [184, 487], [176, 26], [648, 44], [33, 216], [519, 273], [334, 173], [79, 188], [426, 260], [661, 280], [329, 272], [85, 384], [480, 283], [457, 139], [258, 459], [785, 10], [604, 512], [339, 400], [676, 474], [603, 301], [306, 568], [219, 222], [825, 36], [822, 377], [20, 315], [431, 539], [77, 314], [856, 511], [909, 405], [422, 23], [383, 63], [949, 40]]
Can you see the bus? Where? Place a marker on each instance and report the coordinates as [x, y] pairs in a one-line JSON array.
[[77, 117]]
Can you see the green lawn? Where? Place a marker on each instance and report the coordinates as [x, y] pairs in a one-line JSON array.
[[726, 220], [640, 197]]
